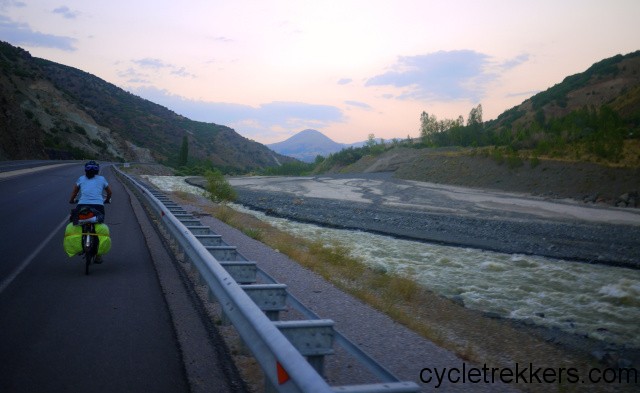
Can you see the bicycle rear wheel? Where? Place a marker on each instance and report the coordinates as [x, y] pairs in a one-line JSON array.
[[90, 246], [88, 260], [90, 253]]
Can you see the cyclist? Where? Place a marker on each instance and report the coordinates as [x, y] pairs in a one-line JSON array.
[[91, 187]]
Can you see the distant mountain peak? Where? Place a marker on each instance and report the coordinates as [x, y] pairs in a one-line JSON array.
[[308, 134], [306, 145]]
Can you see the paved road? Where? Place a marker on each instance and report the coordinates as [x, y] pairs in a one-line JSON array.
[[111, 331]]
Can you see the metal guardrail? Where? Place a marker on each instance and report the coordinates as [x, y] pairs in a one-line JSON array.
[[286, 367]]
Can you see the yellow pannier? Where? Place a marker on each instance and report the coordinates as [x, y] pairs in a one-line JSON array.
[[104, 243], [73, 239]]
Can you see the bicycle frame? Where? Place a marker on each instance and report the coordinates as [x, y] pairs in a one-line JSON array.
[[89, 243]]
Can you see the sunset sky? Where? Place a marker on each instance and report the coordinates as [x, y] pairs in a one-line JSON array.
[[270, 69]]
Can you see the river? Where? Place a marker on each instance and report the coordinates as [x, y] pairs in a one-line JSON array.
[[600, 301]]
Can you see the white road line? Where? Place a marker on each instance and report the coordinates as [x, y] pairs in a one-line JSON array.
[[17, 172], [4, 284]]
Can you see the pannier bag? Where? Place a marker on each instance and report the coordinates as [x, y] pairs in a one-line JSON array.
[[73, 239], [104, 244]]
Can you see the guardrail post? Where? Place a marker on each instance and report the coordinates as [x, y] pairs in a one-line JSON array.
[[199, 230], [191, 222], [313, 338], [225, 253], [270, 298], [210, 240], [244, 272]]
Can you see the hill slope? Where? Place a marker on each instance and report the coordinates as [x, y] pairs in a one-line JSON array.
[[583, 181], [56, 111], [612, 82]]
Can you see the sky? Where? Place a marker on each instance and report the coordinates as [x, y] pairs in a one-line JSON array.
[[349, 69]]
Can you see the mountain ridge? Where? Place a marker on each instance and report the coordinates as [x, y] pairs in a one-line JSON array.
[[55, 111], [64, 112]]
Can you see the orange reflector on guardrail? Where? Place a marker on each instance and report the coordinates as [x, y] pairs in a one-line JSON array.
[[283, 376]]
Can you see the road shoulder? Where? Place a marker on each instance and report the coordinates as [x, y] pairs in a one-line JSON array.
[[206, 358]]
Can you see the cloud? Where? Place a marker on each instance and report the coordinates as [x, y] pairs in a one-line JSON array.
[[151, 63], [359, 104], [182, 72], [255, 121], [66, 12], [21, 34], [509, 64], [222, 39], [523, 93], [4, 4], [133, 76], [345, 81], [448, 76], [157, 64]]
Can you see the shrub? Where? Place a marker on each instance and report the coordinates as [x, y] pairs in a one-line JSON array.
[[497, 156], [218, 187], [514, 160], [534, 161], [254, 233]]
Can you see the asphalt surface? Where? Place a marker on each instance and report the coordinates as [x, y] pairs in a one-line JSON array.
[[110, 331]]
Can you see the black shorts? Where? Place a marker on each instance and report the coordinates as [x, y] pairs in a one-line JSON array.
[[97, 208]]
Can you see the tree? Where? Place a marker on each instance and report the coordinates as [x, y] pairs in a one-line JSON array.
[[428, 127], [184, 152], [475, 116], [371, 141], [473, 133]]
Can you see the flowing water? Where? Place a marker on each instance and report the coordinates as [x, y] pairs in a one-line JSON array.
[[600, 301]]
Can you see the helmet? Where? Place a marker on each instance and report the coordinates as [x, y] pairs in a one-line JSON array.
[[92, 167]]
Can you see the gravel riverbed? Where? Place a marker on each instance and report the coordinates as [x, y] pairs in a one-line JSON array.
[[431, 215]]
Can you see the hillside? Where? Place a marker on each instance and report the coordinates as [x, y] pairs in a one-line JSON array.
[[55, 111], [614, 82], [592, 112], [581, 181]]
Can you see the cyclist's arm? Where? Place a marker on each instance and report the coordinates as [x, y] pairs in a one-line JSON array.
[[108, 190], [74, 193]]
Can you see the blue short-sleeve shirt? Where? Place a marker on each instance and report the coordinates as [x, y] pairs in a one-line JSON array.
[[91, 190]]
